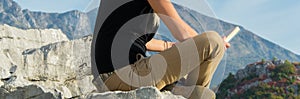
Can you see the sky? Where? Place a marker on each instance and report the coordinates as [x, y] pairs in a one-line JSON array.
[[275, 20], [57, 5]]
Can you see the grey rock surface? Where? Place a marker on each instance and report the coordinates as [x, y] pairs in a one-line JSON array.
[[141, 93], [43, 63]]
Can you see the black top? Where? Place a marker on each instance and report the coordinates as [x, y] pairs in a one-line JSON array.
[[128, 22]]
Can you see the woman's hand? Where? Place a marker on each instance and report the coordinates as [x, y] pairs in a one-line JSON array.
[[170, 44], [158, 45], [227, 44]]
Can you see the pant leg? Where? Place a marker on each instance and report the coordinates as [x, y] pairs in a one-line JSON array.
[[202, 75], [168, 66]]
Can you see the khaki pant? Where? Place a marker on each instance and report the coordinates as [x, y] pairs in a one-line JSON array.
[[198, 57]]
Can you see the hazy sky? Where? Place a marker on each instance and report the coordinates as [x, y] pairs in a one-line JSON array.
[[57, 5], [275, 20]]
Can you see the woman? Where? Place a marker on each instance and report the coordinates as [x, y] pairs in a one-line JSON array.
[[124, 31]]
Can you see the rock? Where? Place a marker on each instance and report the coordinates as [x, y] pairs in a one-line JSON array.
[[14, 38], [278, 62], [4, 74], [1, 83], [43, 58], [13, 42], [258, 69], [141, 93], [65, 66], [30, 91], [66, 92]]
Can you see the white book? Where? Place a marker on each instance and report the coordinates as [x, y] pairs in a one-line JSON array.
[[234, 32]]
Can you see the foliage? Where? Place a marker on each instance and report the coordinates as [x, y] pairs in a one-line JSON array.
[[275, 58], [251, 76], [265, 91], [263, 60], [283, 71], [228, 83], [283, 85]]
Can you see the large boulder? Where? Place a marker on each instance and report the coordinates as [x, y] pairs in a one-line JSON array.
[[45, 59], [141, 93]]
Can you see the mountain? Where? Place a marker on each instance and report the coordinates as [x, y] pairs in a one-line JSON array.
[[92, 17], [276, 79], [74, 23], [246, 47]]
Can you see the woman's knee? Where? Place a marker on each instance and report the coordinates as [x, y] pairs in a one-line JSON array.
[[211, 37], [214, 37], [210, 41]]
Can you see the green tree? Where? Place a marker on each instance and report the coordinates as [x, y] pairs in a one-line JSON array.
[[287, 68], [275, 58], [283, 71], [263, 60], [276, 97], [227, 84]]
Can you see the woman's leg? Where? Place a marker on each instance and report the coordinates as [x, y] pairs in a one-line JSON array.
[[203, 52], [202, 75]]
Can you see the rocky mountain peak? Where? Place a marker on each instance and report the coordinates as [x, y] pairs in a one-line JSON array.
[[74, 24], [9, 6]]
